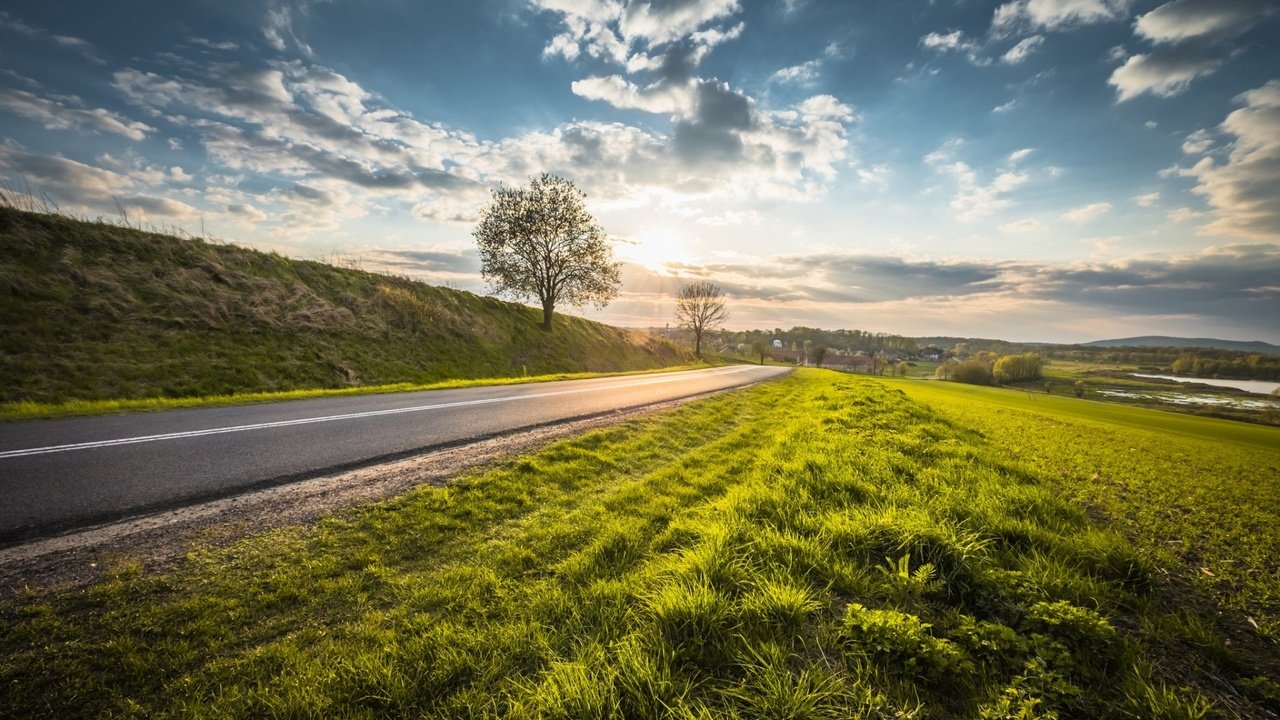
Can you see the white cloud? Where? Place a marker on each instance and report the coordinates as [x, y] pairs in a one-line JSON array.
[[1183, 214], [805, 74], [1022, 50], [955, 41], [563, 45], [668, 98], [1006, 107], [247, 212], [1026, 225], [1018, 156], [608, 29], [68, 114], [1056, 14], [875, 175], [1242, 191], [1147, 200], [79, 45], [1087, 213], [1197, 143], [664, 22], [1163, 73], [1186, 19], [65, 179], [974, 200], [85, 187], [1191, 43]]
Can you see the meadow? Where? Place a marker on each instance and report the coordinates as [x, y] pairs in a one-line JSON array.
[[820, 546]]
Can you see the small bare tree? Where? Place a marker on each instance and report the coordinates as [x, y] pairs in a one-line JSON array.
[[541, 242], [700, 307]]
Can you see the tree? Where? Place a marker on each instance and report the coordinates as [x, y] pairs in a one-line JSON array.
[[760, 347], [901, 369], [541, 242], [974, 372], [1017, 368], [819, 354], [700, 307]]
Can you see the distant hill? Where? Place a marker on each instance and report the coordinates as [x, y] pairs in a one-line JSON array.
[[93, 311], [1254, 346]]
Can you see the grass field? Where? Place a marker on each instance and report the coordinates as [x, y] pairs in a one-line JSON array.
[[1198, 494], [821, 546]]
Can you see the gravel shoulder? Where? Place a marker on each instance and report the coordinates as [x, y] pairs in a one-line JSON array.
[[156, 541]]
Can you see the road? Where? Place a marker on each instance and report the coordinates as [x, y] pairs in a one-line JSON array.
[[60, 474]]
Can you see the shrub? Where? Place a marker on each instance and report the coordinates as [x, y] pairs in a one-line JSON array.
[[973, 372]]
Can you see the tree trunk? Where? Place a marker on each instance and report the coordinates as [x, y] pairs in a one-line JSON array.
[[697, 344], [548, 308]]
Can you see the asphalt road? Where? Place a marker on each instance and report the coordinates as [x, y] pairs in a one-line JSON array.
[[60, 474]]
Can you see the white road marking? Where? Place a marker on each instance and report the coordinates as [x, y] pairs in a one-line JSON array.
[[354, 416]]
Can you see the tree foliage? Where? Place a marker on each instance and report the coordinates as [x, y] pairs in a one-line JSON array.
[[846, 341], [973, 371], [540, 242], [1232, 365], [760, 347], [819, 354], [700, 307], [1017, 368]]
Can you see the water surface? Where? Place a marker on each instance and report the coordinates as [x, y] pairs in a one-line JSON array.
[[1262, 387]]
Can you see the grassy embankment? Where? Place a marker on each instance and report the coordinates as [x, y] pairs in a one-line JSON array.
[[815, 547], [94, 312]]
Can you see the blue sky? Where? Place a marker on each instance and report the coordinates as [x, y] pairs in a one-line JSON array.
[[1059, 170]]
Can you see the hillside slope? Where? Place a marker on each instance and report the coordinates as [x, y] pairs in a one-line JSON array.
[[1253, 346], [93, 311]]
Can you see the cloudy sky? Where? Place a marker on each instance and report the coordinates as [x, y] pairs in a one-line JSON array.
[[1060, 170]]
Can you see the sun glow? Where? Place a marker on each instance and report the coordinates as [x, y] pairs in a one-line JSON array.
[[658, 249]]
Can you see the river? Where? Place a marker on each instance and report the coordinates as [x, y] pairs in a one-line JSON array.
[[1262, 387]]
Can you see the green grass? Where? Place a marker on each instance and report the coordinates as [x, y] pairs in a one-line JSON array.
[[77, 408], [1198, 494], [820, 546], [91, 312]]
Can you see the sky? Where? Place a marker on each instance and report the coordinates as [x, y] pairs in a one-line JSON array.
[[1032, 170]]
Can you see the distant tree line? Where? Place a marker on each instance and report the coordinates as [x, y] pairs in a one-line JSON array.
[[1227, 364], [848, 341]]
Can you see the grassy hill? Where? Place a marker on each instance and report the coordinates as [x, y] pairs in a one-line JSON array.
[[1252, 346], [92, 311]]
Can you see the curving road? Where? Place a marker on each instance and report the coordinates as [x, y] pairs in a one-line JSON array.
[[59, 474]]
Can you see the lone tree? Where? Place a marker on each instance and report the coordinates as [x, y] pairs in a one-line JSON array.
[[700, 307], [541, 242], [760, 347]]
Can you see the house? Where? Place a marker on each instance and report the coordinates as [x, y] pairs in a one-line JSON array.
[[777, 344], [932, 354]]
